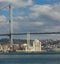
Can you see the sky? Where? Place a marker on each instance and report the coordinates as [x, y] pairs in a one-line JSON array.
[[31, 16]]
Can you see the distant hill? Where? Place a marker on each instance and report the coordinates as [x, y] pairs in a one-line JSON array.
[[15, 41], [19, 41]]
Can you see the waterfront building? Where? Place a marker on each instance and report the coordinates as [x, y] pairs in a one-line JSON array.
[[25, 46], [35, 48], [56, 49], [37, 45], [1, 48], [6, 48], [16, 46]]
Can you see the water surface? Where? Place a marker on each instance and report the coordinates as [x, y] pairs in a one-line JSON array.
[[30, 59]]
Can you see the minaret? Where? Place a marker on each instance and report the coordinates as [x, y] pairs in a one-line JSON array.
[[28, 39], [11, 23]]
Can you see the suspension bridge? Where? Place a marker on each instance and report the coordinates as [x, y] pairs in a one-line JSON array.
[[10, 34]]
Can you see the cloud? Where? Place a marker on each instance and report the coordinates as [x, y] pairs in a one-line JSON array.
[[4, 23], [38, 10], [38, 23], [48, 15], [16, 25], [52, 29], [3, 20], [53, 11], [20, 3], [24, 17], [41, 18]]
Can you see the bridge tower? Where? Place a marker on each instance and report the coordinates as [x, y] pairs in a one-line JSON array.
[[11, 23]]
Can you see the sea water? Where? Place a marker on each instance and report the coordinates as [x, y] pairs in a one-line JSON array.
[[30, 59]]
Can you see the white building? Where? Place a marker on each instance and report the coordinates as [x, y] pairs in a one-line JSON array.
[[37, 45], [35, 48], [1, 48]]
